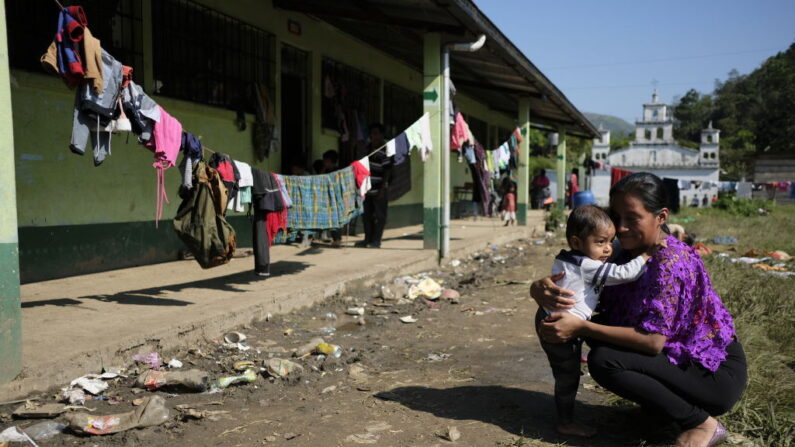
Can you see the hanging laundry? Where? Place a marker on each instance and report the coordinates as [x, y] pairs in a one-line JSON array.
[[94, 110], [459, 134], [265, 192], [200, 222], [469, 154], [288, 203], [63, 57], [518, 134], [245, 184], [390, 148], [401, 144], [192, 149], [165, 143], [142, 111], [481, 192], [361, 170], [227, 171], [321, 202], [617, 174], [419, 136]]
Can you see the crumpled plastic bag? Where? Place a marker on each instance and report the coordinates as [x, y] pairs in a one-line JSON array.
[[152, 411], [152, 359], [427, 287], [282, 369]]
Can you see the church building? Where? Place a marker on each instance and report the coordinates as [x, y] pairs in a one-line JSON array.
[[655, 150]]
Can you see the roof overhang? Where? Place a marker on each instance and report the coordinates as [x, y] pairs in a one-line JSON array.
[[497, 75]]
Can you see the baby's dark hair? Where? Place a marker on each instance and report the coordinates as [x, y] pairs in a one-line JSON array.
[[586, 219]]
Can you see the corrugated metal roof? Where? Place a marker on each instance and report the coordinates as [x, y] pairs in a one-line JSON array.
[[497, 75]]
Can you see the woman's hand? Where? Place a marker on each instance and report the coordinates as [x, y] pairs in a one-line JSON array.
[[549, 296], [560, 327]]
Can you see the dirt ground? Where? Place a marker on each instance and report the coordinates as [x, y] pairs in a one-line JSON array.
[[474, 365]]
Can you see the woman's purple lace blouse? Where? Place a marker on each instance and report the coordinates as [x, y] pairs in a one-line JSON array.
[[675, 298]]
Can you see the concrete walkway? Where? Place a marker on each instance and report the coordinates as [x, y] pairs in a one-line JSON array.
[[77, 325]]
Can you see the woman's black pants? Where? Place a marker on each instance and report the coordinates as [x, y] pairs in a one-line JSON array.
[[687, 394]]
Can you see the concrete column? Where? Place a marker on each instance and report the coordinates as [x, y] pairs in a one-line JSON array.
[[432, 168], [561, 168], [523, 176], [10, 307]]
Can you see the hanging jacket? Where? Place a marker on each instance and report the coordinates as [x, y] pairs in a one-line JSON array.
[[266, 194], [142, 111], [63, 56], [200, 222], [94, 110]]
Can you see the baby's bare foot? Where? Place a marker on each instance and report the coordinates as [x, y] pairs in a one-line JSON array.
[[576, 429]]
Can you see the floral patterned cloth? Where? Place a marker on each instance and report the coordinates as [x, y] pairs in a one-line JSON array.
[[675, 298]]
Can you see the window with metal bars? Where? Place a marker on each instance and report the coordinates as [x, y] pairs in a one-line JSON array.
[[205, 56], [401, 108], [347, 90], [116, 23]]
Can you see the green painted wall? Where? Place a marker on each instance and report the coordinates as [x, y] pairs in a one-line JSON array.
[[10, 311], [77, 218]]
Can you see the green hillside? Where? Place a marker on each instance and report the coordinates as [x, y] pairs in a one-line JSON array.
[[617, 126]]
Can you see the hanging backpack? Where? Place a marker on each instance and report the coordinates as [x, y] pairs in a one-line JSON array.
[[200, 222]]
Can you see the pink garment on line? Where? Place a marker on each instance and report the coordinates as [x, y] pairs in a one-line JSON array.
[[166, 140], [460, 132]]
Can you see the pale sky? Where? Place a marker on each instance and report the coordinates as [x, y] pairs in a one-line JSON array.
[[604, 55]]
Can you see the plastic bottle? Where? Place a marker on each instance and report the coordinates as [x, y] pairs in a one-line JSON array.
[[248, 376], [192, 379]]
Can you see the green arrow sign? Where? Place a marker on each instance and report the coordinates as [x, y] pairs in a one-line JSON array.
[[431, 96]]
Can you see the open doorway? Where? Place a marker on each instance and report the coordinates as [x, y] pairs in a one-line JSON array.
[[294, 116]]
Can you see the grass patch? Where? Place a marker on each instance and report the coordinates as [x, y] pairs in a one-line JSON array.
[[763, 307]]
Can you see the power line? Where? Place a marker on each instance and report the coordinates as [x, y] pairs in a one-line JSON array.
[[670, 59], [606, 87]]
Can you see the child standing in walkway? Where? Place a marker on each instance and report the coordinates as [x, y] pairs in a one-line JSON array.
[[589, 233], [509, 205]]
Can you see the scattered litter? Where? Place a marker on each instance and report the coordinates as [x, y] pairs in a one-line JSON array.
[[234, 337], [702, 249], [138, 402], [451, 434], [283, 369], [152, 359], [45, 430], [437, 357], [30, 410], [455, 263], [427, 287], [75, 396], [192, 380], [725, 240], [395, 291], [329, 350], [780, 255], [754, 253], [327, 330], [174, 363], [243, 365], [408, 319], [188, 412], [14, 434], [433, 305], [358, 311], [152, 412], [538, 242], [308, 348], [451, 295], [90, 383], [247, 377], [329, 316], [770, 268], [329, 389]]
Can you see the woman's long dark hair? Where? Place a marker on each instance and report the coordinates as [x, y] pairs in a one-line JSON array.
[[648, 188]]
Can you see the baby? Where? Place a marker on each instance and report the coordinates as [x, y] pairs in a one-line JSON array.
[[589, 233]]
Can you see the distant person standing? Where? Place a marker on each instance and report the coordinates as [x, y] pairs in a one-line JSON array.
[[377, 200], [329, 164], [539, 189], [573, 186]]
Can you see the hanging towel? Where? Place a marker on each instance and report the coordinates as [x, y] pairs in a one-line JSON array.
[[245, 184], [322, 202], [288, 202], [459, 134], [419, 136], [390, 148], [166, 139]]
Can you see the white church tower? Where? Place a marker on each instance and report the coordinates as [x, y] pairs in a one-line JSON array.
[[710, 146], [601, 145], [655, 150]]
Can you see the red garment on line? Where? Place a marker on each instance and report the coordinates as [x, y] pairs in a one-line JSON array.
[[276, 220], [360, 172], [459, 133], [617, 174], [226, 171]]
